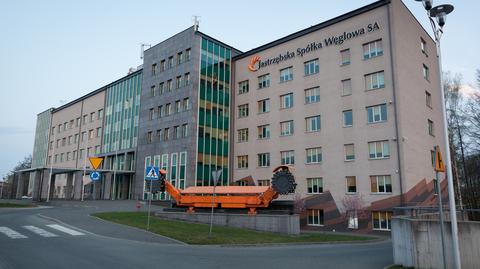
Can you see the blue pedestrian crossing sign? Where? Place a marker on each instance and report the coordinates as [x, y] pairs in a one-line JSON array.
[[151, 173], [94, 175]]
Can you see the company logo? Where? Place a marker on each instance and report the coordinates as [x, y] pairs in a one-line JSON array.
[[253, 61]]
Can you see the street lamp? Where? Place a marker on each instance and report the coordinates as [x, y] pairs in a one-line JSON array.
[[439, 13]]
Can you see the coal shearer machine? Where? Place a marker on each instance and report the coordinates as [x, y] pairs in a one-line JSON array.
[[239, 197]]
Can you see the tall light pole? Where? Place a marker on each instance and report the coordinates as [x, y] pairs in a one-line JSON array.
[[439, 13]]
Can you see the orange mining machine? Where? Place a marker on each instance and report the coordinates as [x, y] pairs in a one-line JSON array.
[[238, 197]]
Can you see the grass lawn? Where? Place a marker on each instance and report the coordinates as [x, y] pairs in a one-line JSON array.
[[13, 205], [197, 234]]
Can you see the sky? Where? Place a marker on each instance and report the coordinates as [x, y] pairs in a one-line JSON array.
[[54, 51]]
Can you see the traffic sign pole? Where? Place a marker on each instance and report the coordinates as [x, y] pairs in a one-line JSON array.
[[439, 166], [149, 205], [151, 173]]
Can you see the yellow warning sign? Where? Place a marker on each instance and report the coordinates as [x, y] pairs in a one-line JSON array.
[[439, 166], [95, 161]]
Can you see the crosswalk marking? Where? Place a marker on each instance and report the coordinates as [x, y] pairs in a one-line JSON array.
[[39, 231], [11, 233], [65, 229]]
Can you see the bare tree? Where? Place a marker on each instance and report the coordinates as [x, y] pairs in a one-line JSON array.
[[354, 209], [24, 164], [298, 204]]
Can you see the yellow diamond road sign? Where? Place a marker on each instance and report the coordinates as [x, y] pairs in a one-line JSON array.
[[439, 165], [95, 161]]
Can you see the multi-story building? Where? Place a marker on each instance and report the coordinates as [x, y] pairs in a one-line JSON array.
[[184, 112], [351, 104]]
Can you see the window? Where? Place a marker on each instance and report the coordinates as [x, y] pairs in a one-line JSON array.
[[311, 67], [169, 85], [315, 217], [100, 114], [243, 111], [314, 185], [263, 131], [166, 134], [242, 162], [287, 157], [176, 132], [99, 132], [313, 124], [163, 65], [286, 74], [426, 73], [91, 134], [149, 137], [151, 114], [74, 155], [97, 149], [62, 157], [430, 128], [84, 121], [161, 88], [81, 154], [159, 135], [69, 157], [184, 130], [178, 106], [187, 79], [243, 87], [347, 118], [312, 95], [58, 143], [179, 58], [428, 99], [70, 139], [161, 112], [375, 81], [381, 184], [264, 81], [382, 220], [423, 46], [168, 109], [286, 101], [76, 138], [345, 55], [64, 141], [242, 135], [179, 82], [351, 184], [349, 152], [70, 124], [154, 69], [432, 157], [186, 104], [378, 149], [286, 128], [346, 87], [263, 106], [372, 49], [92, 118], [78, 121], [377, 113], [188, 54], [65, 124], [84, 136], [263, 182], [314, 155], [170, 62], [263, 159]]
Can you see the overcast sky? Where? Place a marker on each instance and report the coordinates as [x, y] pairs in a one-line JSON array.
[[52, 52]]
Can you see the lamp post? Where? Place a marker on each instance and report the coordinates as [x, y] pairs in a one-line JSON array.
[[439, 13]]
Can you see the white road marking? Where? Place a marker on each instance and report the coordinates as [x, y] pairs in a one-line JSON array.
[[11, 233], [65, 229], [39, 231]]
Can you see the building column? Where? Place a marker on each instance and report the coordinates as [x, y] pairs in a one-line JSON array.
[[125, 186], [37, 182], [22, 180], [69, 186], [77, 187], [44, 185], [107, 185]]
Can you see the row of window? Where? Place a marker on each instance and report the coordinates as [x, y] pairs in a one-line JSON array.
[[376, 150], [378, 184], [69, 125], [382, 220], [72, 156], [163, 87], [166, 110], [181, 57], [166, 134], [372, 81], [92, 133]]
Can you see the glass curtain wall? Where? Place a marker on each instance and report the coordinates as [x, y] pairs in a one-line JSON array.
[[213, 114]]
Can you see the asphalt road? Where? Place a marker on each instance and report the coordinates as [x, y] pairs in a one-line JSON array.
[[65, 236]]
